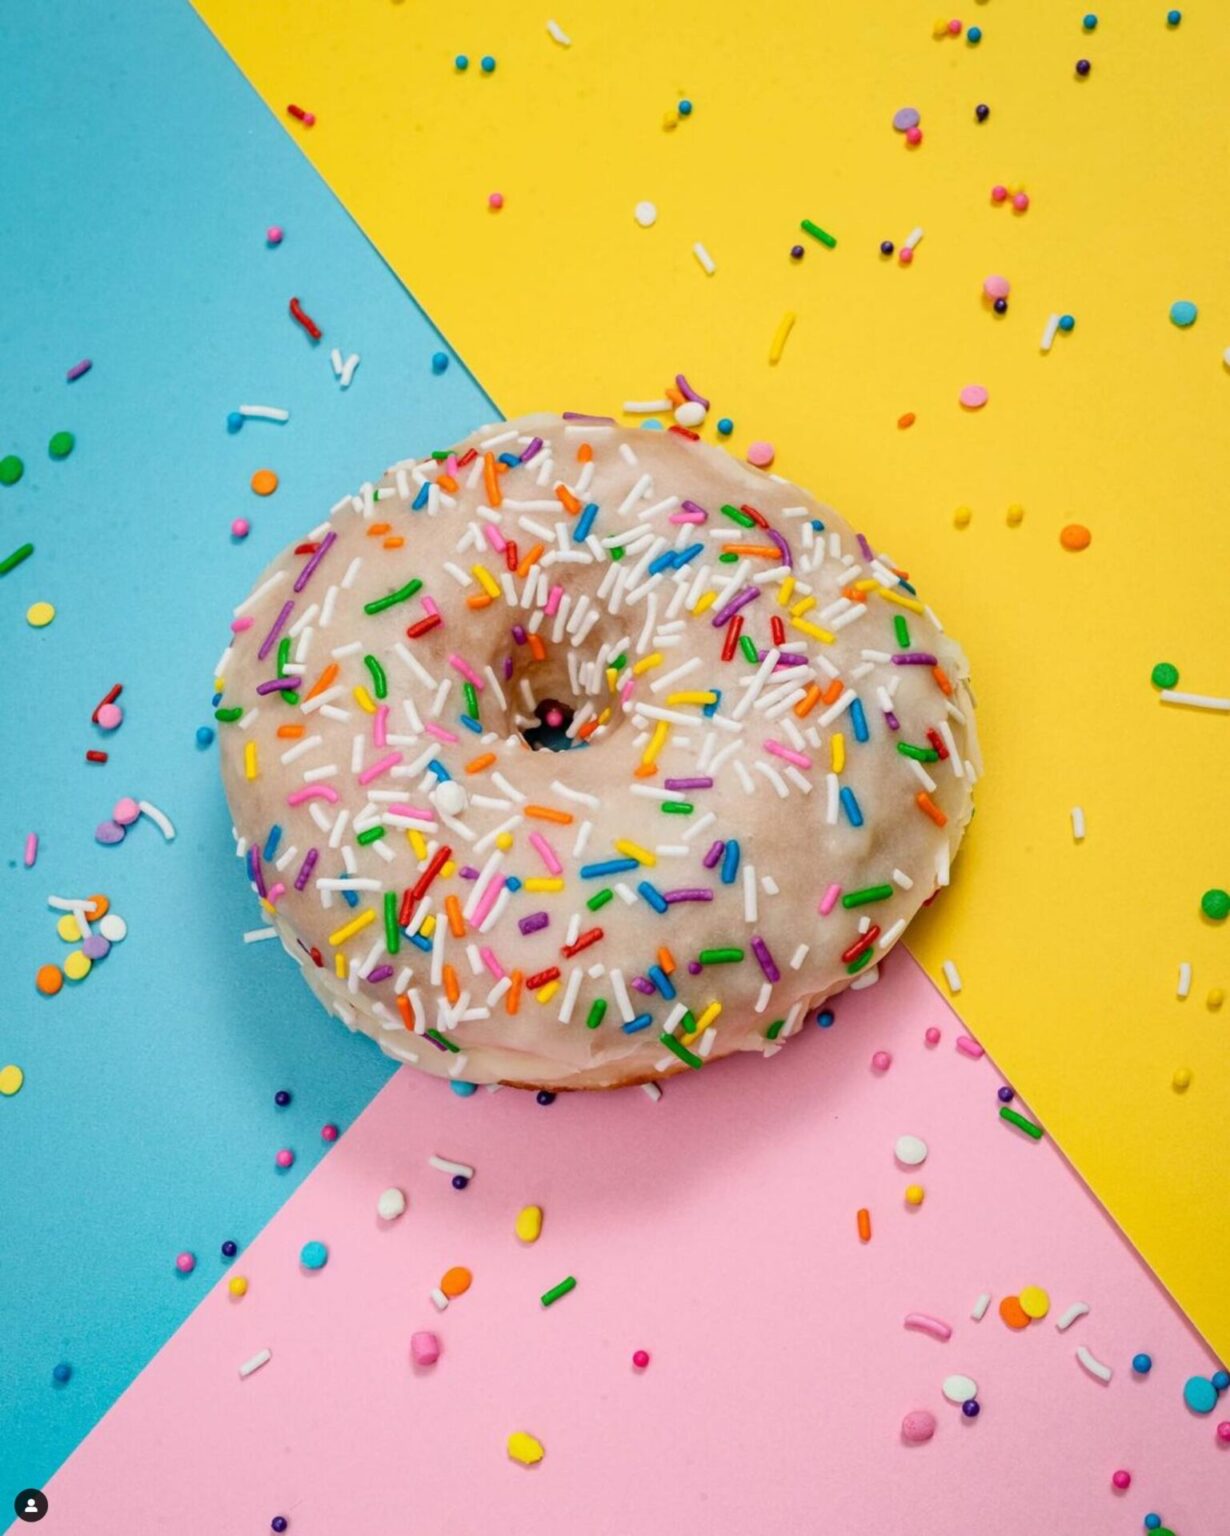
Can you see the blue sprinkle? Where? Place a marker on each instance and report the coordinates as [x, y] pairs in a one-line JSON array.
[[730, 861], [974, 35], [1142, 1364], [272, 841], [462, 62], [1183, 313], [607, 867], [584, 523], [471, 724], [709, 710], [825, 1018], [1221, 1380], [204, 736], [510, 459], [1089, 22], [216, 700], [725, 426], [61, 1372], [817, 525], [1067, 322], [685, 108], [438, 768], [439, 362], [512, 883], [463, 1090], [313, 1255], [420, 942], [351, 898], [420, 501], [652, 425], [851, 806], [664, 562], [859, 720], [487, 64], [662, 981], [1173, 18], [1152, 1522], [642, 1021], [906, 587], [653, 896], [686, 556], [234, 421]]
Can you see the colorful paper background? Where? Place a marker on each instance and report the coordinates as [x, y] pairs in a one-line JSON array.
[[1069, 954]]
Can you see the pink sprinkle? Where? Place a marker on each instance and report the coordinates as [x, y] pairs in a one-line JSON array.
[[788, 754], [450, 465], [932, 1036], [640, 1358], [686, 517], [547, 853], [440, 733], [275, 891], [973, 397], [382, 765], [78, 369], [829, 900], [467, 671], [239, 625], [881, 1061], [380, 726], [495, 200], [31, 849], [760, 454], [185, 1262], [1121, 1479], [553, 597], [923, 1322], [285, 1158], [495, 538], [487, 956], [625, 693], [487, 900], [424, 1348], [313, 792], [329, 1132], [968, 1046], [429, 606], [413, 811]]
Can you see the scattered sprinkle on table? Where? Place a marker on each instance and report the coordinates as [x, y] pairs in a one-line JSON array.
[[391, 1204], [761, 454], [646, 214], [1164, 675], [1078, 824], [39, 615], [11, 562], [1183, 313], [11, 1079], [559, 35], [314, 1255], [525, 1449], [1070, 1315], [528, 1225], [11, 469], [264, 482], [548, 1298], [703, 256], [1215, 904], [1093, 1365], [255, 1363], [1034, 1132], [1075, 537], [78, 370], [61, 445], [973, 397]]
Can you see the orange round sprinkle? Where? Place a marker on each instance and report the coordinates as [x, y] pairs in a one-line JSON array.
[[907, 420], [49, 980], [98, 907], [457, 1281], [1075, 536], [264, 482], [1013, 1313]]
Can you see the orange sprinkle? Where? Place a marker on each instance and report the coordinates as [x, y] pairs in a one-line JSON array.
[[49, 980], [396, 542], [1013, 1313], [290, 732], [941, 677], [451, 990], [567, 500], [808, 702], [456, 1281], [377, 529], [446, 482], [645, 770], [666, 960], [97, 906], [588, 729], [264, 482], [477, 764], [753, 551], [1075, 537], [674, 394], [478, 600], [514, 993], [854, 594], [407, 1013], [584, 454], [537, 649], [546, 813], [531, 557], [864, 1226], [907, 420], [323, 681], [491, 482], [832, 693], [929, 808], [456, 923]]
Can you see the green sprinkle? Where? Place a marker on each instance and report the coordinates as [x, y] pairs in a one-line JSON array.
[[749, 650], [548, 1298], [400, 596], [1164, 675], [283, 655], [61, 445], [440, 454], [617, 553], [817, 233], [860, 961], [289, 696], [600, 899], [434, 1034], [677, 807], [687, 1024], [689, 1058], [774, 1029], [903, 631], [392, 934], [471, 697], [728, 559], [720, 956], [736, 516], [1011, 1116], [370, 835], [228, 716], [380, 683], [1215, 904], [868, 893], [597, 1009], [919, 754], [11, 469], [11, 562], [618, 662]]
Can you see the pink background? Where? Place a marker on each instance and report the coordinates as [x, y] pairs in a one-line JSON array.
[[716, 1230]]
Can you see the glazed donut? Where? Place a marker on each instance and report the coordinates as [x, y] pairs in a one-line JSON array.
[[576, 756]]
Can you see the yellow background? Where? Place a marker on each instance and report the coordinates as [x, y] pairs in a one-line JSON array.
[[1069, 953]]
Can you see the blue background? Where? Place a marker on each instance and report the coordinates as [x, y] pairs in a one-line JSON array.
[[140, 174]]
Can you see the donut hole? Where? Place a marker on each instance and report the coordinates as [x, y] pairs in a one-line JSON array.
[[568, 691], [551, 732]]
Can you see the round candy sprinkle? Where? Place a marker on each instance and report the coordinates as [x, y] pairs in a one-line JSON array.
[[229, 1249], [78, 965], [461, 62], [204, 735], [1223, 1431], [391, 1204], [974, 35], [998, 194], [1020, 201], [690, 414], [915, 1194], [1221, 1380], [1215, 904], [108, 832], [905, 118], [961, 517], [545, 1097], [1067, 322], [954, 28], [1000, 306], [881, 1061], [185, 1262], [1183, 313], [237, 1285], [1083, 67], [1013, 1314], [61, 445], [329, 1132], [982, 111], [463, 1090], [825, 1019], [1005, 1095], [910, 1150], [110, 717], [645, 214], [760, 454], [959, 1389], [279, 1523], [725, 426], [996, 287], [796, 253], [886, 247], [49, 979], [241, 528], [906, 255], [524, 1448], [973, 397], [285, 1158], [1173, 18], [457, 1281], [495, 200], [439, 362], [1152, 1522], [313, 1255], [1164, 675], [972, 1409], [39, 615], [264, 482], [1089, 22], [125, 811], [424, 1348], [67, 928], [282, 1097], [274, 235], [11, 1079], [62, 1372], [486, 64], [11, 469], [1182, 1079], [1142, 1364], [1200, 1394], [1075, 537], [918, 1426], [932, 1035], [913, 136], [685, 108], [1035, 1303], [640, 1358], [459, 1181]]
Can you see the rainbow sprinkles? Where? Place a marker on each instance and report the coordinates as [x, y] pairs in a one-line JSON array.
[[576, 755]]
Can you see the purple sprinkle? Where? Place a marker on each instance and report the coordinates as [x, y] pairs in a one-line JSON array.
[[518, 633], [530, 449], [767, 964], [786, 659], [508, 668], [694, 507], [688, 392], [716, 850], [581, 416], [773, 535], [694, 967], [728, 610], [915, 659], [278, 685], [642, 984], [439, 1044], [468, 872], [78, 369], [306, 868], [95, 947], [305, 575], [688, 783], [271, 637], [865, 547], [255, 873], [381, 973], [893, 723], [688, 893], [533, 922]]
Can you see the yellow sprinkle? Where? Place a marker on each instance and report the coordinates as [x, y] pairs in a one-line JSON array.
[[339, 965], [605, 715], [39, 615], [504, 841], [1182, 1080], [529, 1223], [448, 869], [77, 966], [656, 742], [704, 601], [268, 906], [837, 751], [785, 326], [1034, 1301], [249, 760], [1015, 514], [901, 599], [647, 663], [785, 591], [542, 883], [428, 926], [961, 517], [1215, 998], [11, 1079], [612, 679], [348, 930], [525, 1449], [914, 1194], [364, 699], [417, 841], [692, 696], [237, 1285], [804, 605], [485, 580], [707, 1017], [219, 685], [545, 994], [866, 584], [635, 851], [814, 630], [68, 930]]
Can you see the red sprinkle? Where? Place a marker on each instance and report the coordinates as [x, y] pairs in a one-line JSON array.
[[778, 630], [541, 978], [694, 437], [305, 320], [110, 699], [937, 741], [733, 630], [470, 453], [306, 118], [757, 517], [96, 757], [309, 548], [591, 936], [864, 941], [510, 555], [423, 625]]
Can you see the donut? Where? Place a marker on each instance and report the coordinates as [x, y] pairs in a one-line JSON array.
[[575, 756]]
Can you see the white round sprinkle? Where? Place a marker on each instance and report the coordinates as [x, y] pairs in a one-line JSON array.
[[113, 928], [690, 414], [391, 1204], [449, 798], [960, 1389], [910, 1150], [646, 214], [1225, 357]]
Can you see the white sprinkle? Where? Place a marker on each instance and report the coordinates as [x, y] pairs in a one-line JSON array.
[[891, 935], [703, 256], [571, 794], [1185, 979], [1048, 332], [255, 935], [1092, 1365], [1077, 1309], [348, 368], [980, 1306], [952, 976], [653, 1091], [438, 1298], [1078, 824], [391, 1204], [558, 33], [264, 412], [645, 408], [1195, 700], [265, 1356], [799, 956], [254, 597], [912, 239], [446, 1165], [751, 910], [570, 994], [867, 978], [160, 819], [335, 358]]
